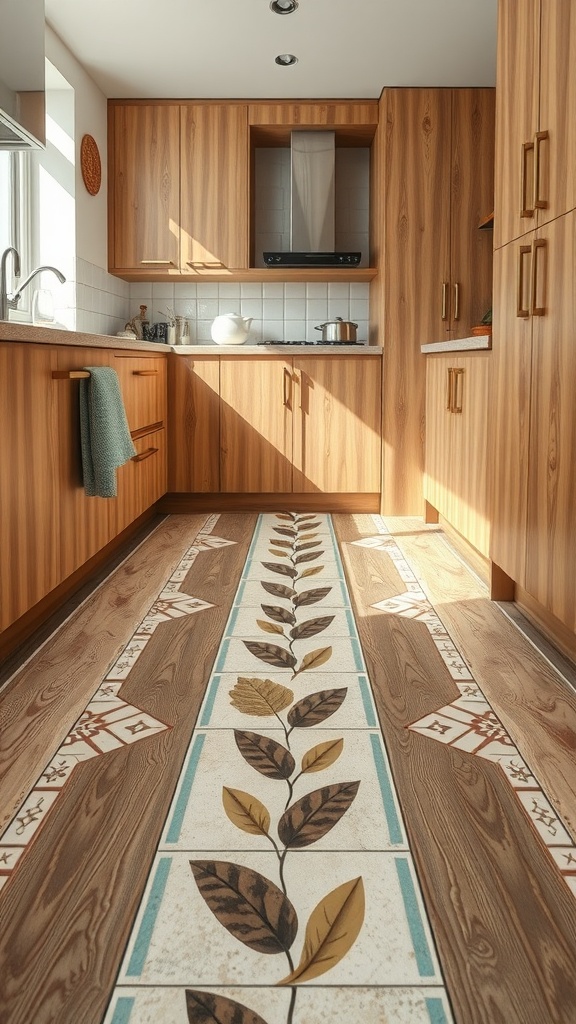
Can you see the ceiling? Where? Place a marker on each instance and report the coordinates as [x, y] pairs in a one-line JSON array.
[[226, 48]]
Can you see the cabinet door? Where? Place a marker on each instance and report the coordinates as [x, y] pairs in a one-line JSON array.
[[215, 186], [194, 424], [29, 540], [510, 410], [551, 542], [439, 426], [143, 385], [141, 481], [468, 507], [472, 199], [145, 184], [557, 185], [256, 424], [295, 115], [517, 92], [337, 424]]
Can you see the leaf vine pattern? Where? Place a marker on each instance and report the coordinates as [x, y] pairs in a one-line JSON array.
[[252, 908]]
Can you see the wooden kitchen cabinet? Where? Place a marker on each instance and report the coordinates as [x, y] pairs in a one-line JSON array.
[[455, 481], [194, 424], [144, 187], [143, 385], [141, 481], [536, 140]]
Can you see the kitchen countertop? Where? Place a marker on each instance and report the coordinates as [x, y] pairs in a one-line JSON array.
[[482, 343], [277, 350]]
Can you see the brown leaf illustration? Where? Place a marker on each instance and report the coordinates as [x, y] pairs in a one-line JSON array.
[[277, 589], [316, 708], [315, 658], [278, 554], [311, 627], [260, 697], [332, 930], [312, 817], [265, 755], [285, 531], [285, 515], [248, 905], [278, 614], [271, 654], [308, 556], [311, 596], [309, 544], [270, 627], [279, 567], [307, 518], [246, 812], [281, 543], [208, 1008], [322, 756], [308, 536], [312, 571]]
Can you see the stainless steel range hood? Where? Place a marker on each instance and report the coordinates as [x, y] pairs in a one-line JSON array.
[[313, 162], [22, 81]]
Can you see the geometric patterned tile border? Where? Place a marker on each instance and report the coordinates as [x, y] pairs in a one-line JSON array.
[[469, 723], [107, 722]]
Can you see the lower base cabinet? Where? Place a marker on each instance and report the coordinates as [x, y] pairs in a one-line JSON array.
[[455, 482]]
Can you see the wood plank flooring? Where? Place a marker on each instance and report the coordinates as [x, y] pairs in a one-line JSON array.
[[504, 918]]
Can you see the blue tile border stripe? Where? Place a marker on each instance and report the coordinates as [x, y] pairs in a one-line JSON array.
[[123, 1010], [173, 833], [395, 830], [144, 937], [209, 701], [436, 1011], [419, 939], [366, 695]]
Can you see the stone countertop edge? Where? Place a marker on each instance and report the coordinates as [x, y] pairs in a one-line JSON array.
[[481, 343]]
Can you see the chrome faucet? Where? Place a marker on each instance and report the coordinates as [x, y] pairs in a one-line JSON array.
[[8, 300]]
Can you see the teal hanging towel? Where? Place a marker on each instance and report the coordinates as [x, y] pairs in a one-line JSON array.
[[104, 433]]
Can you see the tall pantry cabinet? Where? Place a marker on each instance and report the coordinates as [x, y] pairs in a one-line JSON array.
[[533, 539]]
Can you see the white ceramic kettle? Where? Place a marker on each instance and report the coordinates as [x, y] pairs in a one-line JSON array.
[[230, 329]]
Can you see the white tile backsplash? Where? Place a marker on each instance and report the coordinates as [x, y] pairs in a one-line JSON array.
[[100, 303]]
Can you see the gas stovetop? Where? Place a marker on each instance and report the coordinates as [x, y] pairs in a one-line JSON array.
[[309, 343]]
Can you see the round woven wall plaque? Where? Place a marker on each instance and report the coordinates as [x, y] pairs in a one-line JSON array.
[[90, 164]]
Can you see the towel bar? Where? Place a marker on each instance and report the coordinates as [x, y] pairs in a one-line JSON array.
[[69, 374]]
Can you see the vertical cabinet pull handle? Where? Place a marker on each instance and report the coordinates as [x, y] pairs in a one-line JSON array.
[[539, 244], [449, 392], [458, 390], [287, 388], [444, 313], [539, 204], [525, 211], [456, 301], [521, 309]]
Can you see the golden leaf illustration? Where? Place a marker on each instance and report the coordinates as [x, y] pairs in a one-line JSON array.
[[315, 658], [206, 1006], [308, 536], [260, 697], [332, 930], [279, 554], [246, 811], [281, 543], [322, 756], [270, 627], [312, 571]]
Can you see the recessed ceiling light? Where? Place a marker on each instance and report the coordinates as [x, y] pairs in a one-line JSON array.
[[286, 59], [284, 6]]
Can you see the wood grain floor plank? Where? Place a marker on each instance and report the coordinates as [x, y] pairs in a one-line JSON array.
[[503, 918], [68, 910]]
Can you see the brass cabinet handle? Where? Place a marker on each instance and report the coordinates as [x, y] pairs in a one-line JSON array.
[[525, 211], [458, 390], [456, 301], [157, 263], [444, 313], [540, 243], [144, 373], [449, 393], [521, 310], [539, 204], [144, 455], [287, 388]]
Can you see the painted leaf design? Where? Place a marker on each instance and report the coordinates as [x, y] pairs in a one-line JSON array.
[[208, 1008], [311, 627], [270, 627], [308, 556], [312, 817], [248, 905], [271, 654], [246, 811], [265, 755], [312, 571], [311, 596], [332, 930], [307, 518], [322, 756], [285, 515], [308, 536], [277, 553], [279, 567], [308, 545], [285, 531], [278, 614], [260, 697], [315, 658], [281, 543], [278, 590], [316, 708]]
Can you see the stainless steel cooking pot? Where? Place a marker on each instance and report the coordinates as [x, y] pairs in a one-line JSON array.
[[338, 330]]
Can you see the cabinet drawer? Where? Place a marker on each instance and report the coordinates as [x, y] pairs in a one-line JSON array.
[[142, 480], [143, 384]]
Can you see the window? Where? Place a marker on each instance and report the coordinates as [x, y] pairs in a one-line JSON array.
[[15, 218]]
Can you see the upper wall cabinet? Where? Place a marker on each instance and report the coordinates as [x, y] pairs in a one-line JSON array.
[[353, 122], [536, 118]]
